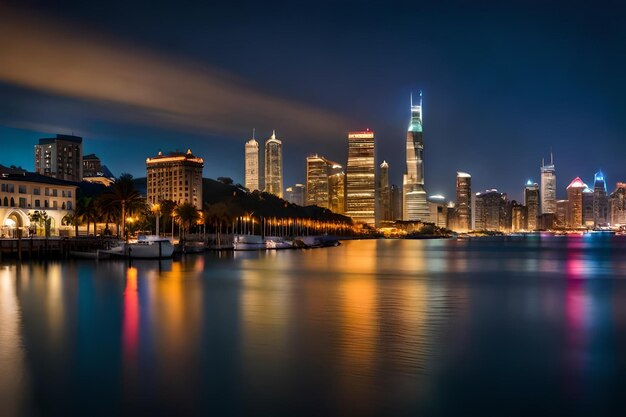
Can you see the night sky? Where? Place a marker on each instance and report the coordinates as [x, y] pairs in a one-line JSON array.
[[502, 83]]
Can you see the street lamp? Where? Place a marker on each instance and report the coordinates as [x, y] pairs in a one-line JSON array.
[[156, 209]]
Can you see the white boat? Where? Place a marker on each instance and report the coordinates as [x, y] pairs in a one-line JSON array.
[[248, 242], [275, 242], [146, 247]]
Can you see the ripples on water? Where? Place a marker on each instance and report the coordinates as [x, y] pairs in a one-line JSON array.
[[531, 326]]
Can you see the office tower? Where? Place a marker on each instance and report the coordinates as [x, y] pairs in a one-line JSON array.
[[531, 201], [588, 207], [361, 177], [561, 215], [519, 219], [384, 193], [438, 208], [600, 200], [337, 192], [92, 167], [295, 194], [548, 187], [274, 166], [60, 157], [318, 169], [490, 211], [415, 204], [575, 203], [396, 202], [463, 209], [617, 205], [251, 175], [176, 177]]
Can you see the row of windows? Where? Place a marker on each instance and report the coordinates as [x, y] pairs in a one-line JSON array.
[[22, 189], [22, 203]]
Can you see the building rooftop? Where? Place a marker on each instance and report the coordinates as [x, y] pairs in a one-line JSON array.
[[576, 183], [67, 138], [34, 177], [176, 156]]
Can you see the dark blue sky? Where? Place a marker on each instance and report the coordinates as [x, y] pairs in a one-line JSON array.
[[503, 83]]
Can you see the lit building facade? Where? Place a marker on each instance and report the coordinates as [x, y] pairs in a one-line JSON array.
[[60, 157], [337, 192], [575, 202], [318, 172], [531, 201], [548, 187], [361, 177], [415, 202], [384, 193], [295, 194], [251, 174], [463, 208], [490, 211], [274, 166], [560, 219], [617, 205], [176, 177], [438, 208], [396, 202], [600, 200]]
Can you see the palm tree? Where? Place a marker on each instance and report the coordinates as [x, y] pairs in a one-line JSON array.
[[217, 214], [187, 214], [123, 195], [70, 219], [167, 211]]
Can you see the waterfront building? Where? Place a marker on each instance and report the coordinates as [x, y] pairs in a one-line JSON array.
[[274, 165], [95, 172], [588, 207], [60, 157], [295, 194], [318, 169], [396, 202], [176, 177], [617, 205], [24, 193], [337, 192], [361, 177], [548, 187], [251, 173], [519, 219], [384, 193], [560, 219], [531, 201], [575, 203], [490, 211], [438, 208], [463, 208], [414, 194], [600, 200]]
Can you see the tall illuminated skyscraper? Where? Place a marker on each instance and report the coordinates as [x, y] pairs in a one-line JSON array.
[[361, 177], [318, 172], [384, 193], [251, 179], [463, 202], [274, 166], [531, 201], [548, 187], [600, 200], [574, 214], [415, 203]]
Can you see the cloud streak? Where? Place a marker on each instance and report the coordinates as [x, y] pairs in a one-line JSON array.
[[147, 88]]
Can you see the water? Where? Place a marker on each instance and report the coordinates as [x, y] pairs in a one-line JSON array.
[[535, 326]]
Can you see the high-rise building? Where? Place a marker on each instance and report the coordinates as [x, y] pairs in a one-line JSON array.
[[600, 200], [176, 177], [489, 210], [415, 202], [295, 194], [60, 157], [519, 219], [548, 187], [251, 175], [337, 192], [463, 208], [396, 202], [531, 201], [575, 202], [317, 171], [384, 193], [588, 207], [617, 205], [361, 177], [274, 165], [560, 217], [438, 210]]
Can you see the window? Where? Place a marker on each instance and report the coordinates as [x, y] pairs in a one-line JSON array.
[[4, 188], [69, 205], [54, 204], [10, 188], [37, 203], [46, 203], [36, 191], [55, 192], [22, 202], [47, 191], [21, 189], [62, 193], [69, 193]]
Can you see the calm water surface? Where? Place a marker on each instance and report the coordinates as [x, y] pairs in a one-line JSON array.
[[379, 327]]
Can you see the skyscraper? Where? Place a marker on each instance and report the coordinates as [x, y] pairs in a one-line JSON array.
[[415, 203], [176, 177], [318, 171], [60, 157], [384, 193], [295, 194], [274, 166], [361, 177], [600, 200], [463, 210], [531, 201], [251, 179], [337, 192], [548, 187], [574, 214], [617, 205]]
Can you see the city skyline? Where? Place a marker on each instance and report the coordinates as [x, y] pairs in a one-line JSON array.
[[488, 97]]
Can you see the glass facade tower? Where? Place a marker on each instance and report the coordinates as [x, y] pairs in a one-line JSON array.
[[361, 177], [415, 204]]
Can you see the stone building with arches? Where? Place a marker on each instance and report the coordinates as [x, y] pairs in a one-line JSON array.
[[22, 194]]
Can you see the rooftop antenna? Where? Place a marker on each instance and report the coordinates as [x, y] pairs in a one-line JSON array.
[[253, 132], [551, 158]]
